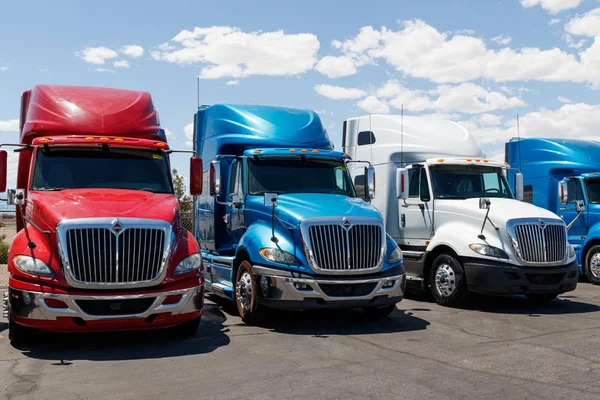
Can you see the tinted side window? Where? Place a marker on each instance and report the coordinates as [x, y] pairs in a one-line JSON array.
[[424, 185], [574, 191], [233, 178], [366, 138], [413, 179]]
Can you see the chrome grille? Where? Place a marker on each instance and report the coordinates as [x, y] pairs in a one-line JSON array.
[[541, 243], [101, 253], [338, 248]]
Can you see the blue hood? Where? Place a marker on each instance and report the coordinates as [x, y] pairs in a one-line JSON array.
[[292, 208]]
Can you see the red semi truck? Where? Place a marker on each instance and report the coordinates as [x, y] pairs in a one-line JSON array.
[[100, 245]]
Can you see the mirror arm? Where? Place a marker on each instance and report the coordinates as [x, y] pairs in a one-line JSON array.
[[181, 151], [36, 227], [574, 220], [20, 145]]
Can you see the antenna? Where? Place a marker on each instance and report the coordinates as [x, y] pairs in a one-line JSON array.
[[402, 136], [371, 138], [198, 90], [519, 140]]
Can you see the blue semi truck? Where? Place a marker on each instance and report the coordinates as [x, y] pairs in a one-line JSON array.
[[563, 176], [282, 225]]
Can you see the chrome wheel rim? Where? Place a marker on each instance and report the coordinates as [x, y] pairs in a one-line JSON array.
[[244, 290], [595, 265], [445, 280]]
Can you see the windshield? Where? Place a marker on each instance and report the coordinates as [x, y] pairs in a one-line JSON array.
[[592, 187], [101, 167], [269, 175], [469, 181]]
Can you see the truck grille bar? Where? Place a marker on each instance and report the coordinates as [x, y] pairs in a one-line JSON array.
[[97, 255], [335, 247], [541, 243]]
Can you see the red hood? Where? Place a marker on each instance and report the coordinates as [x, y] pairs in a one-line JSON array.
[[52, 207]]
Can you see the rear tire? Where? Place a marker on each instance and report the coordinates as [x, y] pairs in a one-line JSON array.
[[246, 289], [448, 283], [378, 312], [19, 335], [542, 299], [591, 265]]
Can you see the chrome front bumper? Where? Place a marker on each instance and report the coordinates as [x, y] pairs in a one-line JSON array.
[[284, 290], [31, 305]]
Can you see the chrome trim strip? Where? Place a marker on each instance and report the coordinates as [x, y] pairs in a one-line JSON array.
[[64, 226]]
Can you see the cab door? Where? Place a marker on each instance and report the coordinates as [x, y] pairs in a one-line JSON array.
[[416, 212], [568, 212], [235, 208]]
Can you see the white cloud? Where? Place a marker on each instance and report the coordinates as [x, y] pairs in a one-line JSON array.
[[552, 6], [554, 21], [3, 68], [96, 55], [336, 67], [586, 25], [578, 120], [564, 100], [572, 43], [132, 50], [421, 51], [488, 119], [225, 51], [189, 134], [502, 40], [11, 125], [467, 98], [373, 105], [232, 82], [112, 71], [121, 64], [339, 93]]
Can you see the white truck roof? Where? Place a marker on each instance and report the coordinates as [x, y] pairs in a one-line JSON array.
[[424, 138]]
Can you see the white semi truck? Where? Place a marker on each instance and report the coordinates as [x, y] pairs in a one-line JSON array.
[[451, 210]]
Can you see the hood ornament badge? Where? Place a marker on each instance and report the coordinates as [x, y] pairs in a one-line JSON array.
[[346, 224], [116, 226], [542, 224]]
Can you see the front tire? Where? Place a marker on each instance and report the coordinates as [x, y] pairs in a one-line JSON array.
[[246, 290], [591, 265], [19, 335], [447, 282]]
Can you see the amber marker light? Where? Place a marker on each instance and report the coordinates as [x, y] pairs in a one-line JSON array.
[[485, 160], [89, 138], [160, 144], [104, 139], [477, 160], [44, 140], [304, 151], [118, 139], [346, 155], [469, 159], [293, 150], [256, 151], [315, 151], [441, 160]]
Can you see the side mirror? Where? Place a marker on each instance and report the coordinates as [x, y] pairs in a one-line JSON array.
[[370, 182], [563, 192], [579, 206], [3, 169], [484, 203], [270, 199], [402, 183], [215, 178], [11, 197], [196, 176], [519, 186]]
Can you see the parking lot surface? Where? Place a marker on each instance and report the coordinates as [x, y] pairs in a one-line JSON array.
[[501, 348]]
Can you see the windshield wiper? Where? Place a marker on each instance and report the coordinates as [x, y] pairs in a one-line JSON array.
[[52, 189], [453, 197]]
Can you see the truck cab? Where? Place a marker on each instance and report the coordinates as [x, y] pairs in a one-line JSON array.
[[563, 176], [282, 225], [99, 245], [460, 226]]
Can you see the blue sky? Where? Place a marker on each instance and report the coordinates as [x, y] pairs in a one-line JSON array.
[[477, 62]]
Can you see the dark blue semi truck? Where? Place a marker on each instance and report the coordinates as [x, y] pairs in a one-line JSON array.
[[282, 224]]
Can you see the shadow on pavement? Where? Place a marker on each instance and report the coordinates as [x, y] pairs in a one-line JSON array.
[[564, 304], [132, 345], [322, 323]]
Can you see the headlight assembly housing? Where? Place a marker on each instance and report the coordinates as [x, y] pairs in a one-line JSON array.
[[188, 264], [487, 250], [279, 256], [32, 266], [396, 256]]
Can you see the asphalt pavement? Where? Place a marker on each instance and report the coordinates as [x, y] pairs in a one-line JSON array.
[[501, 348]]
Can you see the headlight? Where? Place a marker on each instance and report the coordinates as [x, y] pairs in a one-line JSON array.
[[32, 266], [279, 256], [571, 251], [490, 251], [396, 256], [188, 264]]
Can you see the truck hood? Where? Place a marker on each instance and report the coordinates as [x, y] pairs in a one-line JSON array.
[[293, 208], [501, 210], [52, 207]]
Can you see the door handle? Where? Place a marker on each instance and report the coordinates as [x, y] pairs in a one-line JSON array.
[[403, 220], [226, 219]]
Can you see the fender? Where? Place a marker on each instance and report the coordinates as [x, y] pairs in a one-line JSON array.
[[184, 245], [259, 235]]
